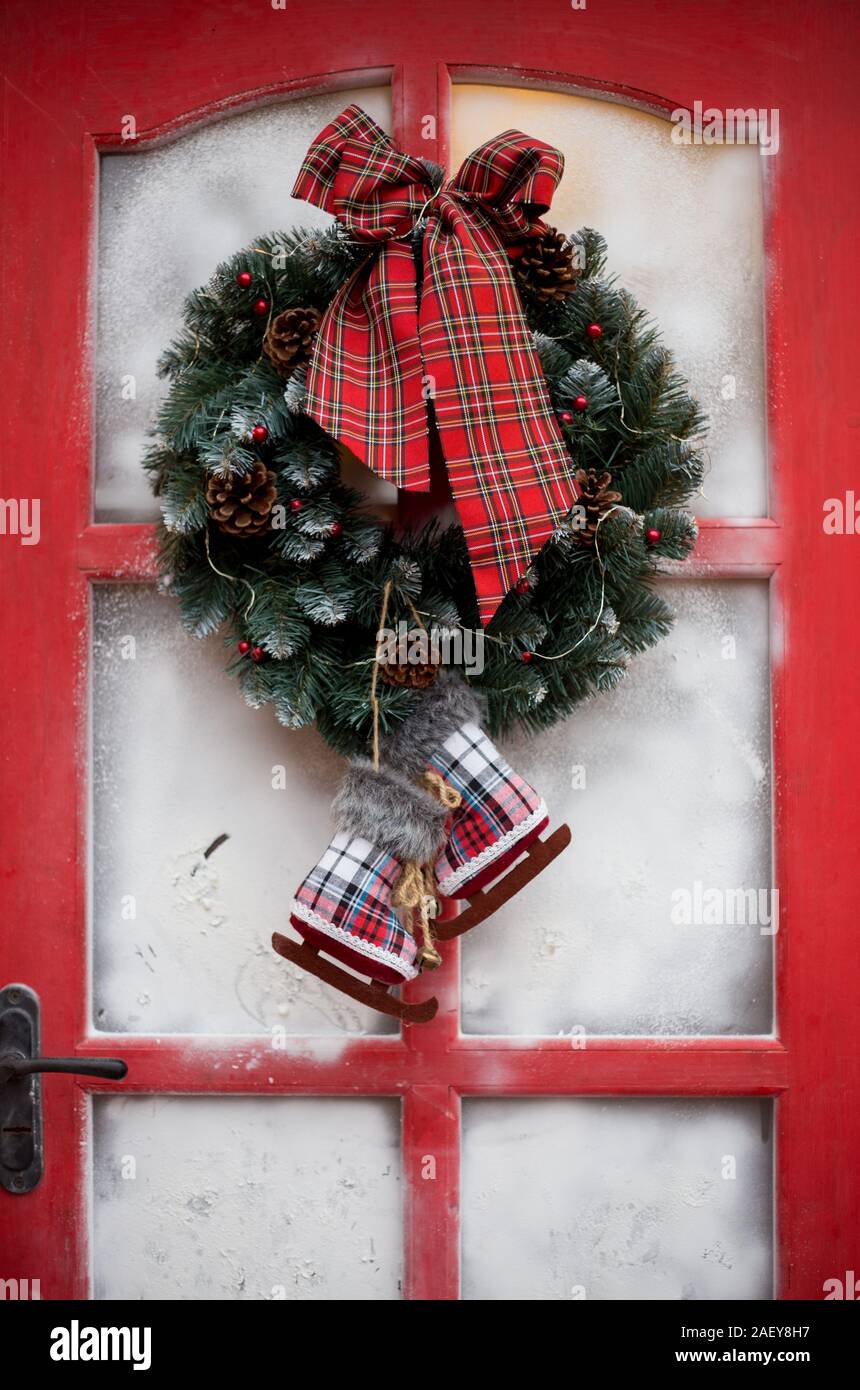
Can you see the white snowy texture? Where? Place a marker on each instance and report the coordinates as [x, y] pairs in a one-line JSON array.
[[684, 227], [617, 1199], [245, 1198], [167, 216], [180, 759], [263, 1198], [676, 764]]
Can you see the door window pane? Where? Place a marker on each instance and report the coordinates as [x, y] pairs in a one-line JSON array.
[[617, 1199], [659, 918], [246, 1198], [685, 234], [181, 943], [167, 216]]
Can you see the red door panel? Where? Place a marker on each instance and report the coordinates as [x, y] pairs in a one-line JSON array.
[[73, 73]]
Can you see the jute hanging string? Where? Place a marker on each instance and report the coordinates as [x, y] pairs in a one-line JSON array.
[[416, 890]]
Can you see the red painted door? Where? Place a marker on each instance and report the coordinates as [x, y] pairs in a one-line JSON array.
[[78, 80]]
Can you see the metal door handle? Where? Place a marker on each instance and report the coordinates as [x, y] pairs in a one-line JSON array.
[[111, 1068], [21, 1142]]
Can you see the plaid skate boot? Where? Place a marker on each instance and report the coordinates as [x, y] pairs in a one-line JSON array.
[[344, 909], [500, 817]]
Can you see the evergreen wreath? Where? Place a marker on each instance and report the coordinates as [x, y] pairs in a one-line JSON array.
[[261, 538]]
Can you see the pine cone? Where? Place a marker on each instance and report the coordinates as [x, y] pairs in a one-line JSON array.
[[596, 496], [242, 503], [410, 675], [545, 267], [290, 338]]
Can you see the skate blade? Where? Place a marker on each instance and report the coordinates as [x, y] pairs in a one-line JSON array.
[[372, 993], [538, 856]]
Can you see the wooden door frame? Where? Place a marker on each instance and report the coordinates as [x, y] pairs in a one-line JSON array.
[[75, 71]]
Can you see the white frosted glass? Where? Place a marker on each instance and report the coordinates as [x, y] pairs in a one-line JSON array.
[[677, 793], [181, 943], [684, 227], [245, 1198], [617, 1199], [167, 216]]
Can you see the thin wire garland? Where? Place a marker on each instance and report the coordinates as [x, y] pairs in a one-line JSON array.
[[276, 684]]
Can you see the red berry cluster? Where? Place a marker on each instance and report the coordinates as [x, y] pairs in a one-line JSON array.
[[244, 648], [245, 280], [566, 416]]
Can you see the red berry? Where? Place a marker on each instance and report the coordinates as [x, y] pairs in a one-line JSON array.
[[258, 654], [244, 278], [565, 417], [259, 434], [244, 647], [594, 330], [652, 535], [335, 529], [581, 402], [522, 586], [296, 505], [260, 306], [526, 656]]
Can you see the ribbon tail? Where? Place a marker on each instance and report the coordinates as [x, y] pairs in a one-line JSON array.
[[510, 472], [366, 378]]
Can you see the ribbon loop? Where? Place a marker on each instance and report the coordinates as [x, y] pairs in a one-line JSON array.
[[514, 178], [379, 355], [353, 171]]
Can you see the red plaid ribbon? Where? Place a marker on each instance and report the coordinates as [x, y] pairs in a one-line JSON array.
[[380, 354]]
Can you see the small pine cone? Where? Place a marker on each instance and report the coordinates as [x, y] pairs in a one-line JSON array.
[[545, 267], [242, 503], [290, 338], [410, 675], [596, 495]]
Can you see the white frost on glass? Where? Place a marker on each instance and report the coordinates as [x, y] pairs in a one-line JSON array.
[[685, 234], [245, 1198], [167, 216], [677, 791], [182, 944], [617, 1199]]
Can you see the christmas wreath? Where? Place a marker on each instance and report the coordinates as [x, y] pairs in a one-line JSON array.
[[299, 346]]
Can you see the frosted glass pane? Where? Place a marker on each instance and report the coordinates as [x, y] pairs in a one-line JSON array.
[[684, 226], [617, 1199], [167, 216], [676, 803], [182, 943], [245, 1198]]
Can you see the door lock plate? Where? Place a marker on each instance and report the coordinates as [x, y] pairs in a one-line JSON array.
[[21, 1150]]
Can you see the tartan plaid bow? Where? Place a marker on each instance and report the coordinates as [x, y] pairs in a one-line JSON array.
[[380, 353]]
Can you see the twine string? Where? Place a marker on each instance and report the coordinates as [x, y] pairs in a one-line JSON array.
[[416, 890], [233, 578], [448, 796], [560, 655], [374, 680]]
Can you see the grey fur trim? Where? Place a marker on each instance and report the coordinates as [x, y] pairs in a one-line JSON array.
[[445, 705], [389, 811]]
